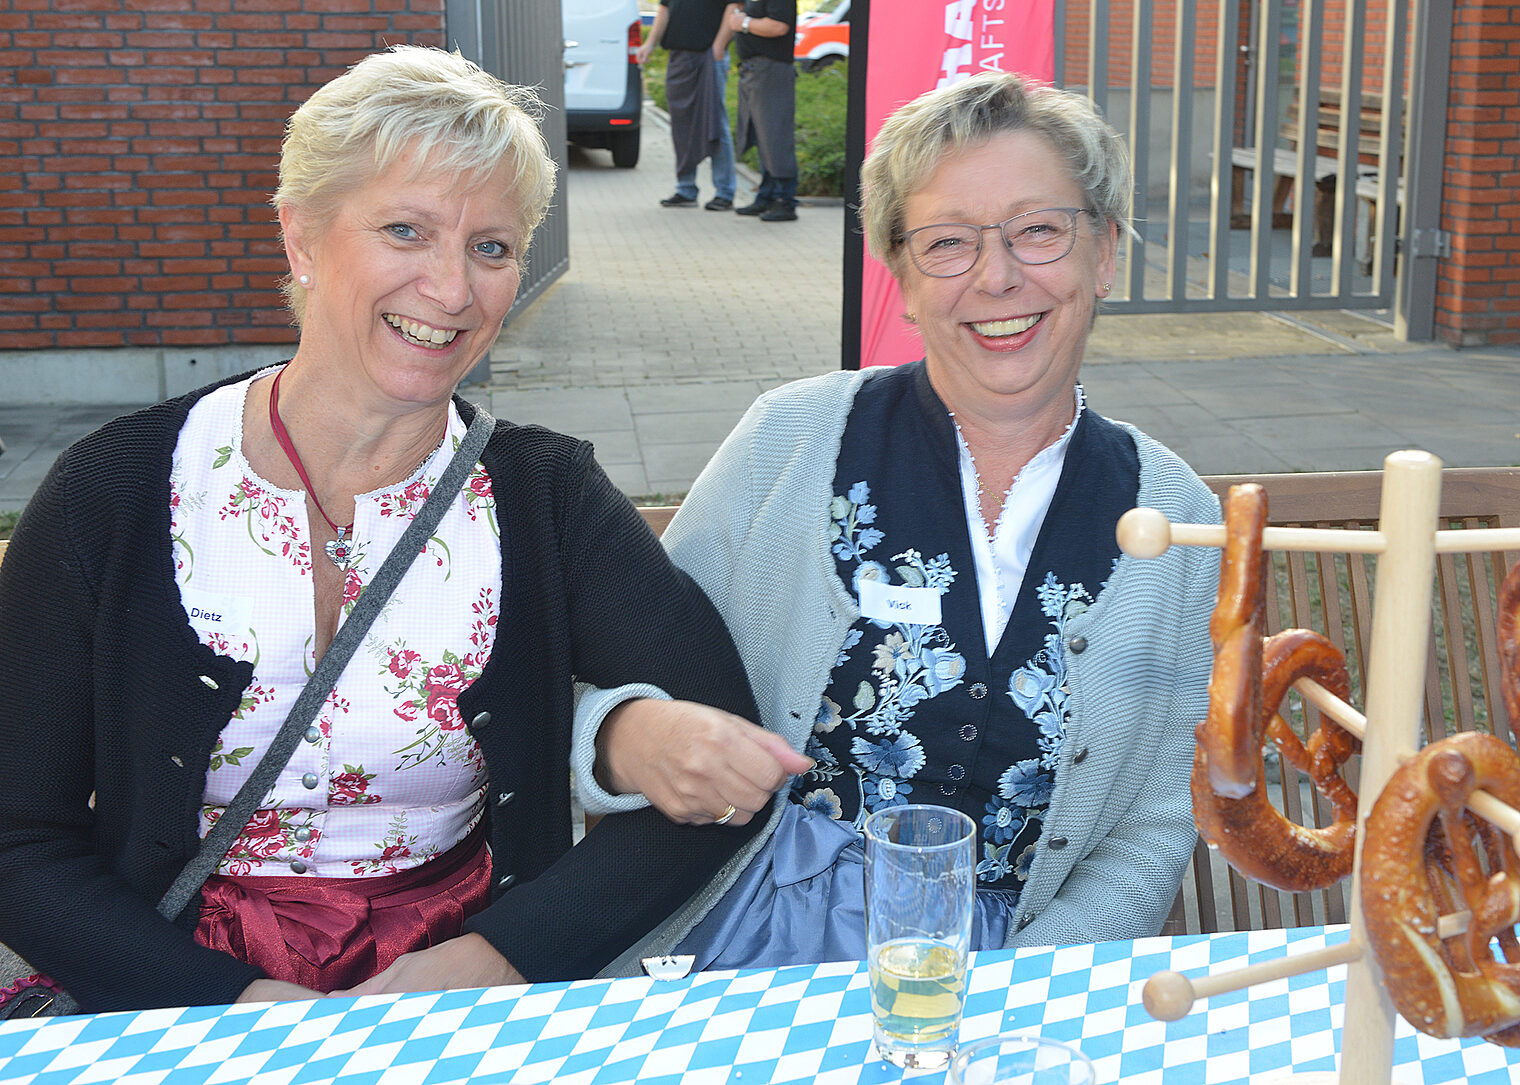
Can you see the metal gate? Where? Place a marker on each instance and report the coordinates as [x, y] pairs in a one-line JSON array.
[[522, 43], [1286, 158]]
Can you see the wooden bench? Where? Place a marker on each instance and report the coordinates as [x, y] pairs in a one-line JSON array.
[[1367, 190], [1284, 163], [1333, 593]]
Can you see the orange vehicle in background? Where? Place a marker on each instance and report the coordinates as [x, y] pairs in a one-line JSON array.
[[823, 37]]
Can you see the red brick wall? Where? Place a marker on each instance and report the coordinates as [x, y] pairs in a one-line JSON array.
[[1478, 289], [1121, 27], [140, 144], [1372, 45]]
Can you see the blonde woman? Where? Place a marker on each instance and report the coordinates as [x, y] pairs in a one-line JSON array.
[[180, 572]]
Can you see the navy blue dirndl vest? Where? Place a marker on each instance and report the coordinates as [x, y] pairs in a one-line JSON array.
[[928, 713]]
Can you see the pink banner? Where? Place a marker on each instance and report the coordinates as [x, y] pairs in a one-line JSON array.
[[917, 45]]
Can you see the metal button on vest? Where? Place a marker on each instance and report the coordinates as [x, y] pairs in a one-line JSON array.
[[957, 772], [480, 720], [506, 883], [310, 781], [303, 834], [1057, 843], [1080, 756], [298, 866], [505, 797], [313, 734], [1024, 922], [946, 789], [1078, 645], [968, 732], [978, 690]]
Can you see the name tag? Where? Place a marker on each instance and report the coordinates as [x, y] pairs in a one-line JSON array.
[[899, 603], [209, 614]]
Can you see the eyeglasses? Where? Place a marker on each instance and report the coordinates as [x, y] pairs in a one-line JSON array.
[[947, 249]]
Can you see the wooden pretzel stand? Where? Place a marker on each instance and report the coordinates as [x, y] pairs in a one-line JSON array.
[[1407, 542]]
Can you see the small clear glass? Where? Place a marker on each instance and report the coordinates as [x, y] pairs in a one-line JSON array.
[[920, 888], [1020, 1059]]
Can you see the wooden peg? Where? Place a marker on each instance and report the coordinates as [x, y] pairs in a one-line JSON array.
[[1477, 539], [1332, 706], [1169, 996], [1449, 926], [1147, 533], [1486, 806]]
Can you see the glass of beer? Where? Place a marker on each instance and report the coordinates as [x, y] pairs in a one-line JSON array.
[[1020, 1059], [920, 884]]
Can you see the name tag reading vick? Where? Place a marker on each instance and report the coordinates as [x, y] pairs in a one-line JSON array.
[[899, 603]]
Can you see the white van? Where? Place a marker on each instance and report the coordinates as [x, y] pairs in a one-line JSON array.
[[604, 87]]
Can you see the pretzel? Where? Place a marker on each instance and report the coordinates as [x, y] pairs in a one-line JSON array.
[[1250, 678], [1414, 871], [1509, 642]]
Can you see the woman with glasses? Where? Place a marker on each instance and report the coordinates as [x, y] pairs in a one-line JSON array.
[[919, 567]]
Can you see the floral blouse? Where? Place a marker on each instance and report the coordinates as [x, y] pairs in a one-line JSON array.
[[918, 707], [388, 775]]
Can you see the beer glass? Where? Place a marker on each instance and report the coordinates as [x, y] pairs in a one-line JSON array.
[[920, 882]]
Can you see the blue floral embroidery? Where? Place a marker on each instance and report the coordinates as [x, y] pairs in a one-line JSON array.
[[901, 756], [825, 802], [1026, 784], [852, 638], [1038, 688], [1001, 824], [994, 865], [910, 665], [883, 791], [848, 514]]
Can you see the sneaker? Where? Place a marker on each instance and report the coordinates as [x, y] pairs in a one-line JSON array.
[[759, 207], [675, 199], [719, 203], [780, 212]]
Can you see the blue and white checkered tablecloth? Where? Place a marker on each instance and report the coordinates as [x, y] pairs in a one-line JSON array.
[[801, 1024]]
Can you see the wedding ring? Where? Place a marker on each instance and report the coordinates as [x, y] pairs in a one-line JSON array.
[[722, 819]]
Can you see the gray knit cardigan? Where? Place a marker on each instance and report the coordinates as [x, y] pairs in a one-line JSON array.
[[753, 533]]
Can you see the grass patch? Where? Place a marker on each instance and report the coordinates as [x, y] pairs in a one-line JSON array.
[[822, 104], [8, 523]]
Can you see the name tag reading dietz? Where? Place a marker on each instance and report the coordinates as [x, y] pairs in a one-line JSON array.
[[899, 603], [212, 615]]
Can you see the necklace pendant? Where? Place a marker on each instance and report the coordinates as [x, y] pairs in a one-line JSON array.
[[340, 550]]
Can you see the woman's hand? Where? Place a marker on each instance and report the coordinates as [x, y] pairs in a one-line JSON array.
[[692, 761], [277, 991], [466, 961]]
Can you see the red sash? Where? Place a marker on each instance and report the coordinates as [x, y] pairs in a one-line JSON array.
[[330, 934]]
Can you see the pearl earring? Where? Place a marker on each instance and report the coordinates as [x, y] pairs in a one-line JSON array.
[[304, 280]]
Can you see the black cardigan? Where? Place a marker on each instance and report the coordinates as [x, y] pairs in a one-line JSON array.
[[106, 692]]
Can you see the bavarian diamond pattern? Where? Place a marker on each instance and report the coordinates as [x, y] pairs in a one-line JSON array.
[[809, 1024]]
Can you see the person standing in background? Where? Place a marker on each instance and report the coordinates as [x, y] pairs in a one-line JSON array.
[[695, 75], [765, 33]]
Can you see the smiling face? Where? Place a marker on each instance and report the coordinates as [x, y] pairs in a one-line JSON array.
[[410, 281], [1006, 338]]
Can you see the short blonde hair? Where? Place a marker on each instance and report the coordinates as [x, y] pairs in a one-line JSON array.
[[456, 116], [916, 139]]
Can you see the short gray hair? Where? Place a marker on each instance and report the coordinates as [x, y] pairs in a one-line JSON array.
[[456, 116], [917, 137]]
